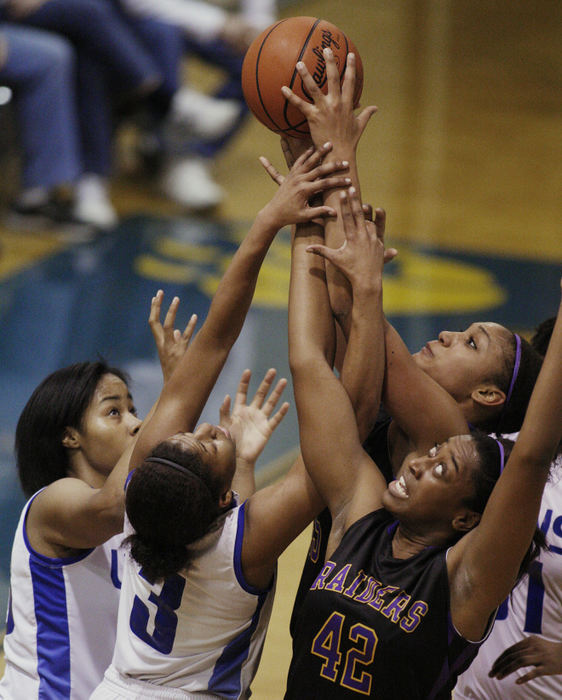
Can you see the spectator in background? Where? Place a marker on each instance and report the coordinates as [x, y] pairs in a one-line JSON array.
[[39, 68], [111, 64], [220, 38]]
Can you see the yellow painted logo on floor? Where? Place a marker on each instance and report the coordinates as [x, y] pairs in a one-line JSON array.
[[414, 282]]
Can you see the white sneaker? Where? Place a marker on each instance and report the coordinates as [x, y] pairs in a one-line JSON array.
[[92, 204], [188, 182], [203, 116]]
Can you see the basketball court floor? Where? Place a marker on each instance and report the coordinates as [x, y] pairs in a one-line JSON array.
[[465, 155]]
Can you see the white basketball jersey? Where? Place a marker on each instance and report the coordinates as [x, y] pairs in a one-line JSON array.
[[534, 608], [199, 632], [62, 620]]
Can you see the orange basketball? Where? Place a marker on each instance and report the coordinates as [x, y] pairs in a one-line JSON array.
[[270, 63]]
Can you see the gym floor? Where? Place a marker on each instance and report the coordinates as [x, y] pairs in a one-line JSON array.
[[465, 156]]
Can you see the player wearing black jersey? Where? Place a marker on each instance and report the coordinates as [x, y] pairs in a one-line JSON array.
[[487, 369], [414, 572]]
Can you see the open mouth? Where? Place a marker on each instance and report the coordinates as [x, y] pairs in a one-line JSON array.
[[398, 488]]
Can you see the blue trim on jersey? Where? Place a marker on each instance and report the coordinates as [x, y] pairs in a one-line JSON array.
[[226, 678], [10, 615], [129, 475], [44, 559], [238, 556], [53, 641]]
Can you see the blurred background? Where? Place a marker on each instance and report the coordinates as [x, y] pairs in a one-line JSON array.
[[464, 154]]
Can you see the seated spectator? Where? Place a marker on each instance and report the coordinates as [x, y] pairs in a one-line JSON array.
[[112, 66], [220, 38], [39, 67]]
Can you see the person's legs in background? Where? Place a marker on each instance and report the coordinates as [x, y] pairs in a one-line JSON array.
[[182, 122], [114, 68], [40, 68]]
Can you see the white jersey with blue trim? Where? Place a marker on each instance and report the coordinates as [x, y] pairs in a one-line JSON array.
[[533, 608], [62, 619], [200, 631]]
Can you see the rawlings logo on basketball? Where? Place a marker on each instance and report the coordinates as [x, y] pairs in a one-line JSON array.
[[328, 40], [270, 63]]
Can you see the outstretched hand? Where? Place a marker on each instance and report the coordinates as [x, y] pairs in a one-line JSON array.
[[361, 256], [331, 116], [171, 343], [308, 176], [252, 424], [535, 651]]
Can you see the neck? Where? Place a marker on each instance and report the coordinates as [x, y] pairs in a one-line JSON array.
[[80, 469], [407, 543]]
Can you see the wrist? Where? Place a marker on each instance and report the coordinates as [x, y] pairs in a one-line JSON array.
[[245, 464], [268, 219]]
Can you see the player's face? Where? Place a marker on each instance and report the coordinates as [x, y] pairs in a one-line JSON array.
[[109, 424], [461, 361], [216, 448], [431, 489]]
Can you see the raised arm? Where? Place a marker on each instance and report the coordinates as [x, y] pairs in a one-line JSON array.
[[330, 442], [483, 566], [251, 425], [187, 390], [71, 514], [331, 118]]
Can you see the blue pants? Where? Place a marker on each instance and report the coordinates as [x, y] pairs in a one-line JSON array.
[[219, 54], [112, 62], [40, 70]]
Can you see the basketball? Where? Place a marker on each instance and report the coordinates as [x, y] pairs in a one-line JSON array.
[[270, 63]]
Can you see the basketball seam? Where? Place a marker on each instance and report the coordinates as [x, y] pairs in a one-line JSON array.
[[293, 78], [266, 112]]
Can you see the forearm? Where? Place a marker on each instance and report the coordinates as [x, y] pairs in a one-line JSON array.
[[541, 430], [363, 367], [339, 288], [311, 326], [235, 292]]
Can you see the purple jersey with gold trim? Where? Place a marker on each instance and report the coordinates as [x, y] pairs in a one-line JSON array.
[[376, 626]]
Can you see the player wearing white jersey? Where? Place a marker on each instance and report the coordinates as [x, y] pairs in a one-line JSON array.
[[77, 432], [179, 494], [211, 643], [533, 608], [57, 626]]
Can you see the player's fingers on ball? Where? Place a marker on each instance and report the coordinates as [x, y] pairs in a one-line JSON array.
[[332, 73], [296, 101], [309, 82], [348, 86]]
